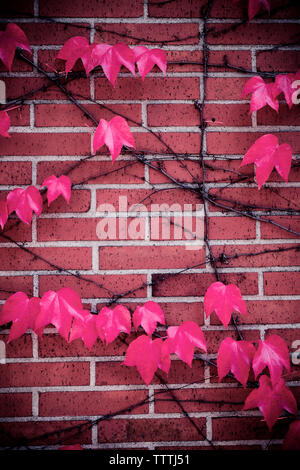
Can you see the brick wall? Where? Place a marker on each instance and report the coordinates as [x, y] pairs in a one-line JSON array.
[[48, 384]]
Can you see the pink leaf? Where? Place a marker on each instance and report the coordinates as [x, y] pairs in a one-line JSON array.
[[148, 316], [266, 153], [3, 213], [24, 202], [111, 58], [292, 438], [85, 329], [147, 58], [254, 7], [110, 323], [114, 134], [274, 354], [4, 123], [57, 186], [235, 356], [59, 309], [262, 93], [271, 400], [10, 39], [76, 48], [147, 355], [284, 84], [223, 300], [184, 338], [23, 312]]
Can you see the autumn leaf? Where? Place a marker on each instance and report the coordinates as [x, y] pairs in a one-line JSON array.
[[235, 356], [266, 153], [10, 39], [24, 202], [147, 58], [114, 134], [274, 354], [57, 186], [284, 84], [148, 316], [223, 300], [262, 93], [147, 355], [23, 312], [110, 323], [184, 338], [111, 58], [76, 48], [271, 400], [59, 308], [85, 328], [4, 123]]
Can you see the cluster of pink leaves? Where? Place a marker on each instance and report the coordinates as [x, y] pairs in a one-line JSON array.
[[26, 201]]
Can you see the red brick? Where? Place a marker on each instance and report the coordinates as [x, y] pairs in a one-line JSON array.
[[196, 284], [179, 8], [251, 33], [16, 230], [151, 88], [17, 86], [289, 257], [56, 33], [289, 335], [285, 116], [246, 428], [180, 143], [281, 283], [94, 172], [69, 258], [21, 8], [79, 202], [45, 374], [222, 228], [214, 338], [191, 61], [268, 311], [69, 115], [15, 173], [149, 257], [148, 430], [141, 33], [198, 401], [20, 347], [269, 231], [41, 433], [41, 144], [20, 116], [94, 9], [11, 284], [277, 61], [225, 88], [239, 142], [132, 285], [15, 404], [177, 312], [90, 403]]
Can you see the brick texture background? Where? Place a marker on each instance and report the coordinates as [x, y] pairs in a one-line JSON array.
[[48, 384]]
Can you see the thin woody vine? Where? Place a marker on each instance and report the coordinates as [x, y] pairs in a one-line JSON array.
[[152, 351]]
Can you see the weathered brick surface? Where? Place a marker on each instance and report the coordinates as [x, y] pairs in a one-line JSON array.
[[51, 388]]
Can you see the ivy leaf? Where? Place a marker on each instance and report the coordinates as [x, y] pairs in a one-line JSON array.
[[57, 186], [284, 84], [85, 328], [274, 354], [271, 400], [3, 213], [24, 202], [10, 39], [254, 7], [76, 48], [111, 58], [235, 356], [114, 134], [110, 323], [262, 93], [147, 355], [147, 58], [4, 123], [184, 338], [148, 316], [292, 438], [59, 308], [266, 153], [23, 312], [223, 300]]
